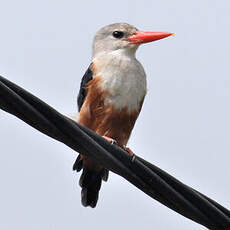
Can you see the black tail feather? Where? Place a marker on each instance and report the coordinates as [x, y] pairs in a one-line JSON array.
[[90, 181], [78, 165]]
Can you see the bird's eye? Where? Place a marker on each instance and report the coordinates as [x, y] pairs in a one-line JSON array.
[[118, 34]]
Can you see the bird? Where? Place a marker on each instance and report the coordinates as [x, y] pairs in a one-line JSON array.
[[111, 96]]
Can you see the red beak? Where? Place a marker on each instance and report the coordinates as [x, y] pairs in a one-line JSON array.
[[144, 36]]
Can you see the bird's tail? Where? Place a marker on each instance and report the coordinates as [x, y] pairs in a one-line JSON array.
[[90, 181]]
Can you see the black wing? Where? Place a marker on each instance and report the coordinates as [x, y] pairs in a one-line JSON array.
[[88, 76]]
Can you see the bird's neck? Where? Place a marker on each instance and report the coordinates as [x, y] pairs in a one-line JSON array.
[[130, 53], [111, 62]]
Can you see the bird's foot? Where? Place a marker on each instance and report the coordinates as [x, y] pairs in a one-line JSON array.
[[110, 140], [127, 149], [130, 152]]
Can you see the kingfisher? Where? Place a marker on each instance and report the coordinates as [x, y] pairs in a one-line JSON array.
[[111, 96]]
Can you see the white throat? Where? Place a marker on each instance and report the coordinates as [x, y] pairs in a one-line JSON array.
[[123, 77]]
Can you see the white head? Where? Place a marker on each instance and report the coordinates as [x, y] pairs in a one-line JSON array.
[[122, 36]]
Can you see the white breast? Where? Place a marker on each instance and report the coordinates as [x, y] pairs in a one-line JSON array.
[[123, 77]]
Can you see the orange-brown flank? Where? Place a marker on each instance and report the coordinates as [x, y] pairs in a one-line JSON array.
[[105, 119]]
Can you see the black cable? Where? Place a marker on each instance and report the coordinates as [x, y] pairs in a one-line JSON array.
[[147, 177]]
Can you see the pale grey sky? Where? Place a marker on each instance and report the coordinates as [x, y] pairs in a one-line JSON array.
[[184, 127]]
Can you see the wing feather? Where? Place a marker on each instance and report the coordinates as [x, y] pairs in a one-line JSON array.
[[88, 76]]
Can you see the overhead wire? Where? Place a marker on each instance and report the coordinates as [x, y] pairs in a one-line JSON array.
[[155, 182]]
